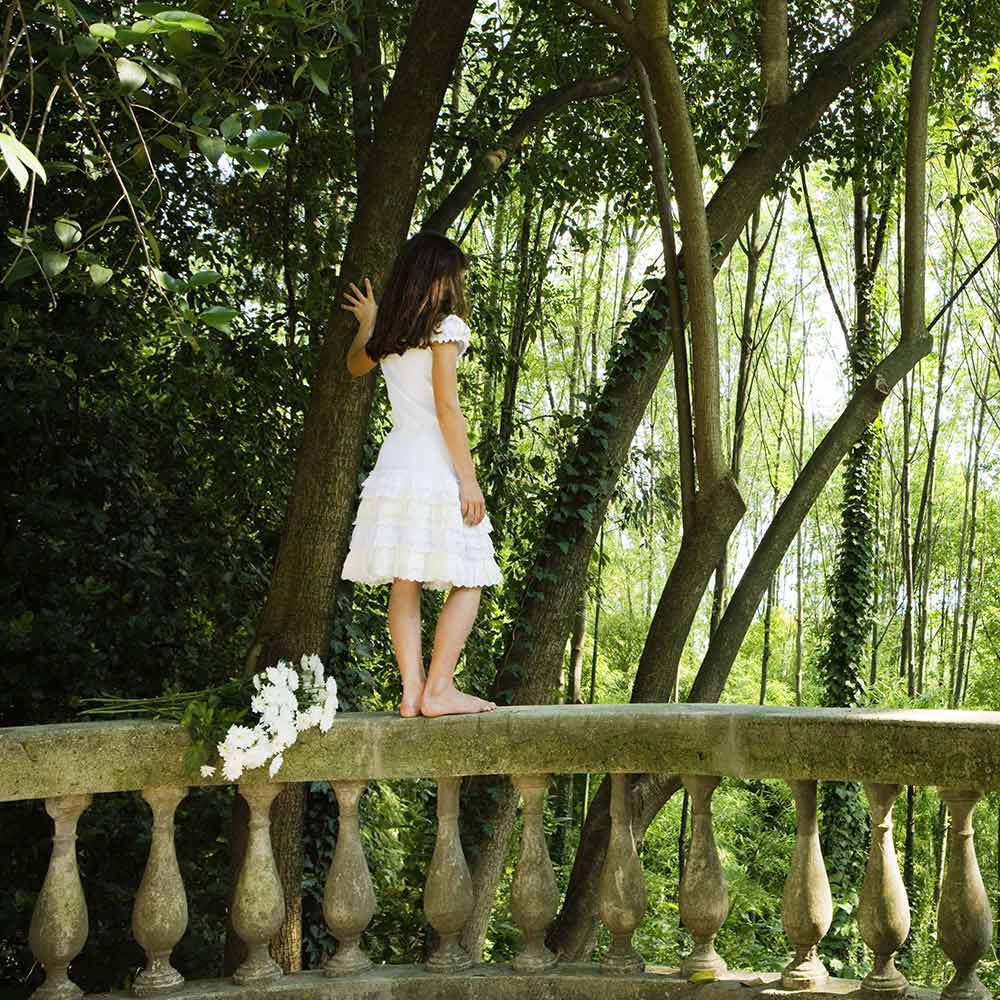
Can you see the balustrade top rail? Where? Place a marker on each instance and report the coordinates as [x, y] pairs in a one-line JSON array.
[[907, 746]]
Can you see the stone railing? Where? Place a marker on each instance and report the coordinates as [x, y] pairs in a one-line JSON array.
[[958, 752]]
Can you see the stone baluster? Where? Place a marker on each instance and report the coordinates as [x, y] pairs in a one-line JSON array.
[[807, 908], [965, 924], [258, 902], [621, 892], [448, 896], [59, 922], [534, 896], [160, 913], [883, 909], [349, 896], [704, 896]]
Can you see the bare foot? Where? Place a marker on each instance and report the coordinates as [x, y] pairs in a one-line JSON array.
[[409, 706], [453, 702]]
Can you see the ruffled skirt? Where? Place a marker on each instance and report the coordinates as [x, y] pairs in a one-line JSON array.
[[409, 522]]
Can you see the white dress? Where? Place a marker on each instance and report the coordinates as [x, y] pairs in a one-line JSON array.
[[409, 522]]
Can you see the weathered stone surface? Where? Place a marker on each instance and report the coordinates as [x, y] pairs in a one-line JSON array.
[[448, 891], [883, 909], [258, 900], [160, 914], [807, 906], [621, 894], [704, 897], [500, 982], [59, 923], [349, 896], [918, 746], [534, 895], [965, 924]]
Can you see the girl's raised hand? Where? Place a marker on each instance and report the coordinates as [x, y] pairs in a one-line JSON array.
[[362, 304]]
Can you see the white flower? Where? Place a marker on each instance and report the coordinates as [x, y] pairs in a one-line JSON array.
[[282, 716], [315, 664], [207, 771], [258, 753], [238, 738], [309, 718]]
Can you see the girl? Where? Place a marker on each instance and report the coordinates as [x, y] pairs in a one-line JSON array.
[[422, 519]]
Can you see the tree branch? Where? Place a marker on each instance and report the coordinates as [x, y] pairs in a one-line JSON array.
[[494, 159]]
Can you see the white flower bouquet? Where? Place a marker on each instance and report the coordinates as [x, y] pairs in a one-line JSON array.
[[286, 700]]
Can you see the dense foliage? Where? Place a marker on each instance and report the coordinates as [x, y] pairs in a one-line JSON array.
[[165, 294]]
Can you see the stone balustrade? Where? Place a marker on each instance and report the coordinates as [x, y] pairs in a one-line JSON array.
[[957, 752]]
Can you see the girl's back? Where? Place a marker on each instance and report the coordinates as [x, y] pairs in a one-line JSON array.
[[408, 378]]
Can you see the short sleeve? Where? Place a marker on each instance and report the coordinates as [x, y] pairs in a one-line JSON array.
[[452, 327]]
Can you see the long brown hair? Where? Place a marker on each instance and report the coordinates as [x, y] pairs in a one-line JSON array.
[[424, 285]]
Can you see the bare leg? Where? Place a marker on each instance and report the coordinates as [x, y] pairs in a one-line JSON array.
[[454, 623], [404, 628]]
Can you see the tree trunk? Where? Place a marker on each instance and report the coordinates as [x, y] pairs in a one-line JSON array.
[[296, 615], [965, 644], [536, 642]]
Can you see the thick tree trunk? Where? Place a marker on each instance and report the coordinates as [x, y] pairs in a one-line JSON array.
[[296, 615], [537, 639]]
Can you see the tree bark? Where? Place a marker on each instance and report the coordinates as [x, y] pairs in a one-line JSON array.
[[296, 614], [536, 642]]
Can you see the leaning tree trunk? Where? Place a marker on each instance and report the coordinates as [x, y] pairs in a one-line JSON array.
[[296, 617], [573, 932], [589, 470]]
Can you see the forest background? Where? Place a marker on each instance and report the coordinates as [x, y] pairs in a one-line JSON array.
[[174, 406]]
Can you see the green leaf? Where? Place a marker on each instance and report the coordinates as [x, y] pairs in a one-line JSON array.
[[212, 146], [25, 266], [18, 156], [218, 317], [131, 75], [145, 27], [85, 45], [68, 231], [166, 75], [174, 19], [102, 30], [13, 161], [201, 278], [179, 43], [266, 138], [257, 159], [319, 72], [166, 281], [99, 274], [344, 29], [172, 144], [231, 125], [54, 263]]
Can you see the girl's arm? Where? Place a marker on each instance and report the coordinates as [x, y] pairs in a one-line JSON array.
[[364, 308], [453, 428]]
